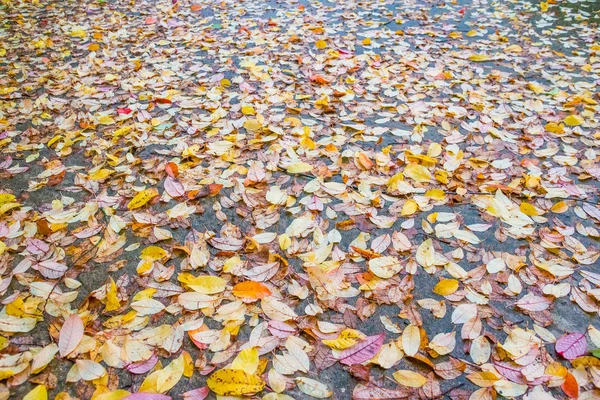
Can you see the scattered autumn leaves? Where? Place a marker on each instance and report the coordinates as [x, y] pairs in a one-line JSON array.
[[217, 197]]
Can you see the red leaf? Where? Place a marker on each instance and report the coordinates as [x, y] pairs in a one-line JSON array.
[[363, 351], [71, 334], [572, 345]]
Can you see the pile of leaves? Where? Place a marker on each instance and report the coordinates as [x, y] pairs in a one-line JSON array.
[[283, 199]]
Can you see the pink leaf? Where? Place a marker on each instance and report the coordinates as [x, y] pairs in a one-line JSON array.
[[280, 329], [173, 187], [510, 372], [141, 367], [147, 396], [531, 302], [51, 269], [71, 334], [363, 351], [571, 345], [36, 246], [197, 394]]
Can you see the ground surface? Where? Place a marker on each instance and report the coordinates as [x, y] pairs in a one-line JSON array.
[[409, 189]]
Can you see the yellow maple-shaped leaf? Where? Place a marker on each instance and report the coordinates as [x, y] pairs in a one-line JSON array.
[[100, 174], [163, 380], [543, 6], [446, 287], [409, 378], [38, 393], [143, 197], [153, 253], [208, 284], [479, 57], [112, 301], [573, 120], [247, 360], [234, 382], [299, 167]]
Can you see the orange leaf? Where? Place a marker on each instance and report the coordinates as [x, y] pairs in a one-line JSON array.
[[172, 169], [251, 290], [570, 386]]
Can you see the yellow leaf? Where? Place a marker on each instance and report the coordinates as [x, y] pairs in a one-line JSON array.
[[544, 6], [471, 33], [105, 120], [366, 41], [417, 172], [483, 378], [208, 284], [573, 120], [320, 44], [284, 241], [446, 287], [559, 207], [142, 198], [7, 198], [94, 47], [299, 167], [479, 57], [529, 209], [455, 35], [409, 208], [8, 206], [409, 378], [246, 360], [514, 48], [252, 125], [153, 253], [112, 301], [411, 340], [234, 382], [347, 338], [248, 110], [38, 393], [100, 174], [163, 380], [436, 194], [118, 394]]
